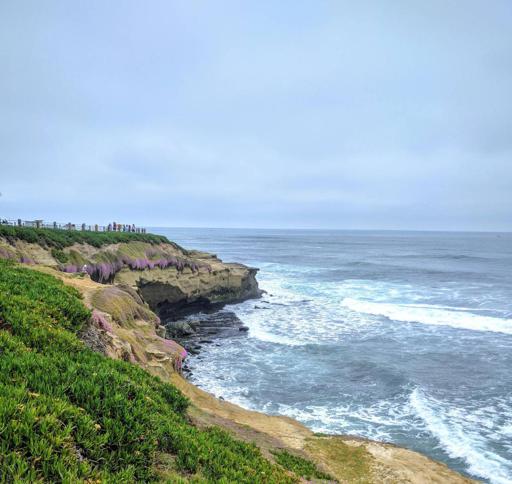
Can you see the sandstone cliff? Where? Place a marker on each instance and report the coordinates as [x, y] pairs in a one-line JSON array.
[[169, 278], [171, 292]]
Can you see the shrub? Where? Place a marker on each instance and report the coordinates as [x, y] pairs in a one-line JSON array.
[[59, 255], [66, 238]]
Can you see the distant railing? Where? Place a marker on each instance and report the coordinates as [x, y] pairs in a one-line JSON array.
[[41, 224]]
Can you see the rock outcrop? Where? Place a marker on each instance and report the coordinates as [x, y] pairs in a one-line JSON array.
[[173, 293], [171, 280], [123, 327]]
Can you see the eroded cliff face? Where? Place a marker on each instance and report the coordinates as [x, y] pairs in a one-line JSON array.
[[171, 280], [172, 293], [123, 327]]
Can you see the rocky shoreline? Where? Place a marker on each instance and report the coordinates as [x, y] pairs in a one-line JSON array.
[[204, 328], [190, 303]]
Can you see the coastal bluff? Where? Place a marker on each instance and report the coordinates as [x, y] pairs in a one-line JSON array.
[[172, 293], [169, 278], [131, 286]]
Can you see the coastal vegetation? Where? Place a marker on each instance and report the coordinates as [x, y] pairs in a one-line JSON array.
[[105, 271], [65, 238], [70, 414], [354, 462], [134, 251], [299, 465]]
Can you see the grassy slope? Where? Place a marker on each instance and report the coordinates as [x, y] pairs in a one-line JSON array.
[[69, 414], [66, 238]]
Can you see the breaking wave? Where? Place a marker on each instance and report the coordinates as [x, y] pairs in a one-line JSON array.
[[432, 315], [461, 434]]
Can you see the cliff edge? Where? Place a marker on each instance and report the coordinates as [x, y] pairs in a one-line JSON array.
[[170, 279]]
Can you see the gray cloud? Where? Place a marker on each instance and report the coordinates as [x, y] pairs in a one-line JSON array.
[[296, 114]]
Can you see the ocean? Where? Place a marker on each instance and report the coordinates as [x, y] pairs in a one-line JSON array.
[[404, 337]]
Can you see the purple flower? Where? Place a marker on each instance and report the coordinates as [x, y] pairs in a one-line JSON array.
[[101, 321], [105, 272]]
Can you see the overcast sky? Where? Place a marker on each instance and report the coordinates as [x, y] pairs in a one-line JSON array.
[[314, 114]]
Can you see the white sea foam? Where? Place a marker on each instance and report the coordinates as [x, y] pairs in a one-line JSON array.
[[458, 435], [290, 314], [374, 421], [447, 296], [296, 313], [432, 315]]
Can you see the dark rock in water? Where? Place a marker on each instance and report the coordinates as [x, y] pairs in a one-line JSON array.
[[205, 328], [179, 329]]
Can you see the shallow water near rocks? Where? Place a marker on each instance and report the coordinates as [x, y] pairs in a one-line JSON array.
[[398, 336]]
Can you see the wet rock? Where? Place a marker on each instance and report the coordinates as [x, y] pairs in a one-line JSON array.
[[206, 329], [179, 329]]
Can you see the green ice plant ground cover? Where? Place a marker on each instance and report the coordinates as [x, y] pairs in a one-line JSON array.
[[66, 238], [299, 465], [68, 414]]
